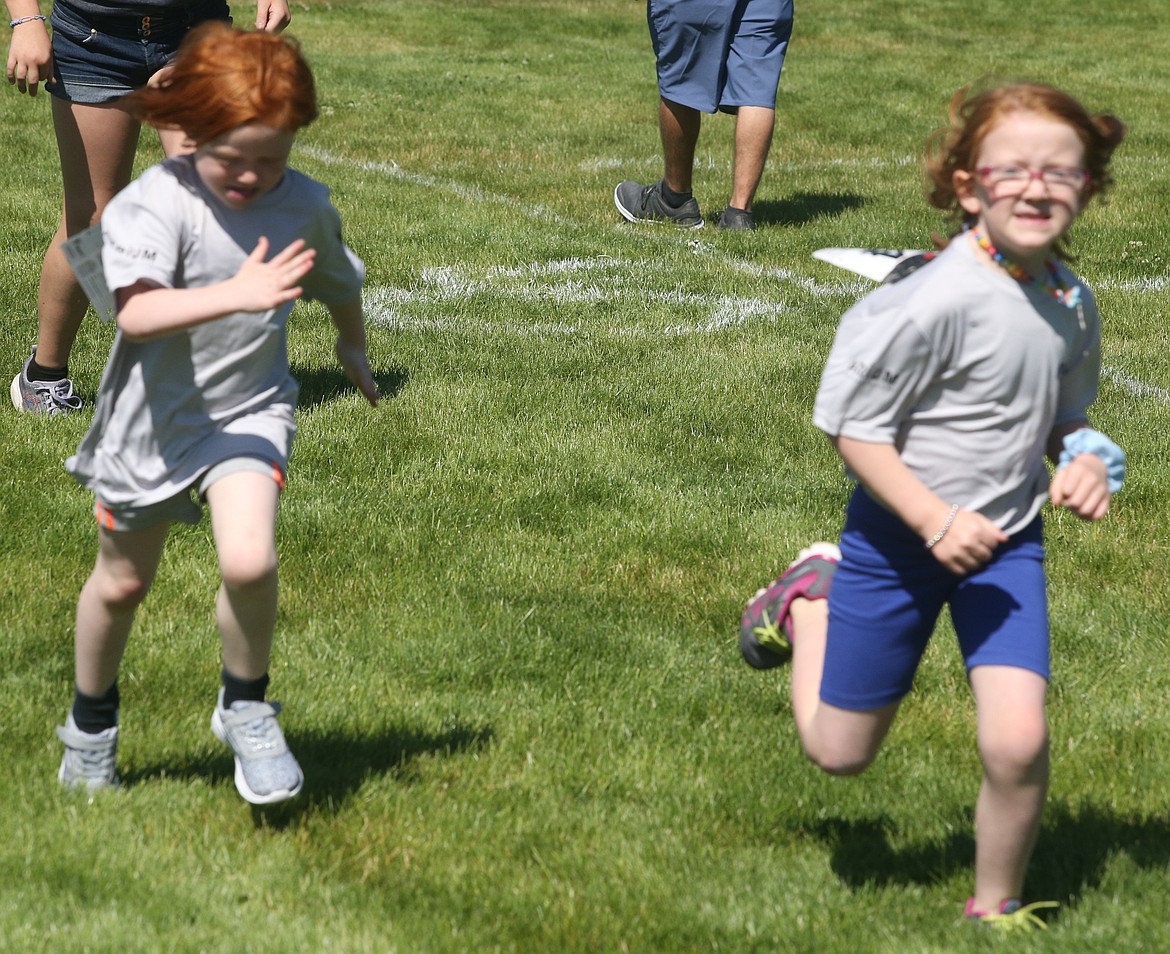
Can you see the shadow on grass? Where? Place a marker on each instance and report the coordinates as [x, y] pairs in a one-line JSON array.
[[336, 764], [803, 207], [1071, 857], [322, 383]]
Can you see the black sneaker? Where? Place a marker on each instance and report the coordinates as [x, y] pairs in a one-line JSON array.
[[737, 220], [640, 203]]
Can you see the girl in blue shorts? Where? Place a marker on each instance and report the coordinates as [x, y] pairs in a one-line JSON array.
[[943, 393], [98, 53]]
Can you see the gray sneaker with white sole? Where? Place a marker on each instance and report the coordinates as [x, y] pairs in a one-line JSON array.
[[266, 771], [89, 759]]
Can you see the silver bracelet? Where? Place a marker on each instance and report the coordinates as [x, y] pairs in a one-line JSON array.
[[945, 527]]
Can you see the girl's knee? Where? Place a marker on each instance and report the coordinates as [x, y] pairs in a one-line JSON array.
[[1018, 754], [244, 567], [836, 760], [845, 741], [120, 592]]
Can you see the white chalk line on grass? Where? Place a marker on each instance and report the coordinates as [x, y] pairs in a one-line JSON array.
[[1136, 387], [1156, 284], [394, 171], [606, 281], [583, 281], [603, 280], [607, 163], [596, 281]]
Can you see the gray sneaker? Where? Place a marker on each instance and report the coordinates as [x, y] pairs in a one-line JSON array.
[[736, 220], [639, 203], [42, 397], [89, 757], [266, 771]]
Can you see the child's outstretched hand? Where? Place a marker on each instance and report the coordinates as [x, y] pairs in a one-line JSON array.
[[261, 285], [356, 366], [1082, 487], [969, 542]]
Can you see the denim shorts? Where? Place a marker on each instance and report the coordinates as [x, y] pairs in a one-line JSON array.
[[720, 54], [889, 590], [98, 59], [181, 508]]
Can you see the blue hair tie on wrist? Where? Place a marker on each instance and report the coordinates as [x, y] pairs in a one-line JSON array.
[[1088, 441]]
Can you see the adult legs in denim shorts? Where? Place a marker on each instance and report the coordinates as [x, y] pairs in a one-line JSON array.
[[95, 63], [717, 54]]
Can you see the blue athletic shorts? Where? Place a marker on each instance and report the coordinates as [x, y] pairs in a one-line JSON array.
[[719, 54], [99, 59], [888, 592]]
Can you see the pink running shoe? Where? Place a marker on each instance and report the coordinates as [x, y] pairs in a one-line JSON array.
[[765, 632], [1012, 916]]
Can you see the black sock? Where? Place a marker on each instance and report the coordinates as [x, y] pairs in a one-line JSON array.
[[37, 372], [672, 198], [243, 690], [95, 714]]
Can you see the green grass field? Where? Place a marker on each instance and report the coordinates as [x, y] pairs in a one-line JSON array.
[[506, 646]]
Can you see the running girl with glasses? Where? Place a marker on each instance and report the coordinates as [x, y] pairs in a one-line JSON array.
[[943, 393]]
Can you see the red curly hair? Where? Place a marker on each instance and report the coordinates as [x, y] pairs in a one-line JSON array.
[[973, 115], [224, 78]]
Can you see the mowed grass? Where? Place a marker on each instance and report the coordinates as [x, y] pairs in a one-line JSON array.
[[509, 594]]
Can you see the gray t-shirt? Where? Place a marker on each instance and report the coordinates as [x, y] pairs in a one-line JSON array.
[[965, 371], [171, 408]]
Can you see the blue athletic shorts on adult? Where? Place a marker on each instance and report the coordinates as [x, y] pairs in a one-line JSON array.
[[719, 54], [99, 58], [889, 590]]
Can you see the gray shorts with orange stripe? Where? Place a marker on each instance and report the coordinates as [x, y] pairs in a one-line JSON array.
[[182, 507]]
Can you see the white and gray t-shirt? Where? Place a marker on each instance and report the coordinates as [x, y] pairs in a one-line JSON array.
[[171, 408], [965, 371]]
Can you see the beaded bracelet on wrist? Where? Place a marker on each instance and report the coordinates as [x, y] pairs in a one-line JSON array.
[[945, 527]]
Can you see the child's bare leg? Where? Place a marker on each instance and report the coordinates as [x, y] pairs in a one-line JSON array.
[[1013, 743], [243, 521], [125, 568], [840, 741]]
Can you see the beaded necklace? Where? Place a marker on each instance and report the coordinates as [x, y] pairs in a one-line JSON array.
[[1053, 284]]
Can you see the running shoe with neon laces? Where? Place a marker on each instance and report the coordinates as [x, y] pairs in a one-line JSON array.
[[765, 630], [89, 759], [639, 203], [49, 398], [1013, 915], [266, 771]]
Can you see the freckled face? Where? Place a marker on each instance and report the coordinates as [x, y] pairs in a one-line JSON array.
[[244, 163], [1026, 226]]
